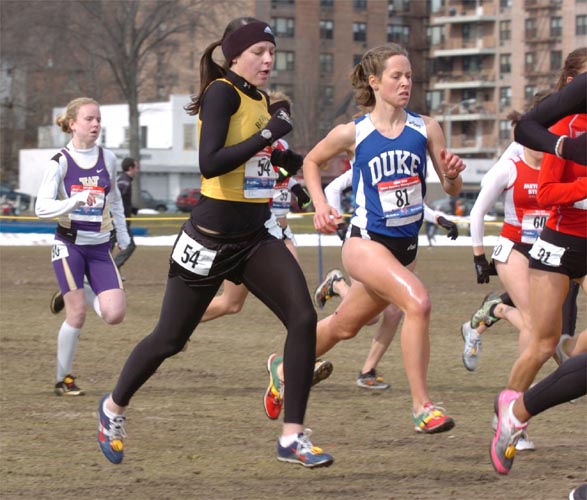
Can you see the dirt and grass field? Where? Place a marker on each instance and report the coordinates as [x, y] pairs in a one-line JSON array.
[[197, 429]]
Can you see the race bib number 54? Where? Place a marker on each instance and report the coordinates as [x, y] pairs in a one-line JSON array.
[[192, 256]]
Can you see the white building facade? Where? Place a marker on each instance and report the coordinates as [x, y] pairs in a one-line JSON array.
[[169, 159]]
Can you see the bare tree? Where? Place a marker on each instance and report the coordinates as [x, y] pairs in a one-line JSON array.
[[136, 38]]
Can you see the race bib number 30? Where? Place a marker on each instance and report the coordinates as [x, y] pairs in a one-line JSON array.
[[192, 256]]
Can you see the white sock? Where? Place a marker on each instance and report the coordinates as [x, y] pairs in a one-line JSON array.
[[108, 413], [66, 346], [513, 418], [92, 299], [288, 440]]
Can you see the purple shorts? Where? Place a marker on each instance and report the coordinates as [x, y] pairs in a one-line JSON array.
[[72, 262]]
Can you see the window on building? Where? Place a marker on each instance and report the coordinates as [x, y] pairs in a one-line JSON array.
[[505, 63], [505, 130], [556, 60], [472, 63], [360, 32], [189, 136], [468, 32], [530, 28], [279, 3], [581, 25], [326, 62], [284, 60], [530, 62], [326, 30], [357, 59], [326, 3], [505, 4], [505, 31], [556, 26], [505, 97], [398, 34], [359, 4], [434, 99], [283, 26], [326, 95], [435, 35], [529, 92], [142, 139]]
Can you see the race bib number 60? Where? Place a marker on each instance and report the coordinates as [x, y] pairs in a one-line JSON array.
[[192, 256]]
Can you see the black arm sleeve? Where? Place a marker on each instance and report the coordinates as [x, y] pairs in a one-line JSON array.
[[531, 131], [219, 103]]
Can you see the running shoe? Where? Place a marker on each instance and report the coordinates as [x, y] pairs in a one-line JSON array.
[[370, 380], [302, 452], [67, 387], [560, 356], [57, 304], [322, 370], [502, 449], [483, 315], [472, 346], [110, 434], [325, 290], [273, 399], [432, 420]]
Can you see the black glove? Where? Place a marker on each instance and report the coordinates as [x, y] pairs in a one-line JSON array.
[[274, 106], [341, 230], [279, 125], [575, 149], [287, 160], [302, 196], [450, 226], [482, 268]]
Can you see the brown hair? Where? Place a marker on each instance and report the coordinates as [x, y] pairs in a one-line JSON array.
[[210, 70], [372, 63], [70, 112], [575, 63]]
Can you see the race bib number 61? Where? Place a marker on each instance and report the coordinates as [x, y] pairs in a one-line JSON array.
[[192, 256]]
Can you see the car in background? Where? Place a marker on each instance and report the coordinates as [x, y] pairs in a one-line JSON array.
[[187, 199], [149, 201], [14, 201]]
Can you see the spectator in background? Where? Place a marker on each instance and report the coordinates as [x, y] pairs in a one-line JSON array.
[[130, 168]]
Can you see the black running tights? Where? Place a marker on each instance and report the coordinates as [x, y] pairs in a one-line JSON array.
[[273, 275], [567, 382]]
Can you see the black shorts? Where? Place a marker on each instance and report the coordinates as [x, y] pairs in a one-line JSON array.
[[202, 259], [403, 249], [562, 253]]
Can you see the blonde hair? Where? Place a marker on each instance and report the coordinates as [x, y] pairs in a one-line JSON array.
[[372, 63], [70, 112], [278, 95]]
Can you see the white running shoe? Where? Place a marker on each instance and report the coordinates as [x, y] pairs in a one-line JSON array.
[[472, 346]]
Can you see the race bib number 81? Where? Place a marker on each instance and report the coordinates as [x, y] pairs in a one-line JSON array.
[[192, 256]]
